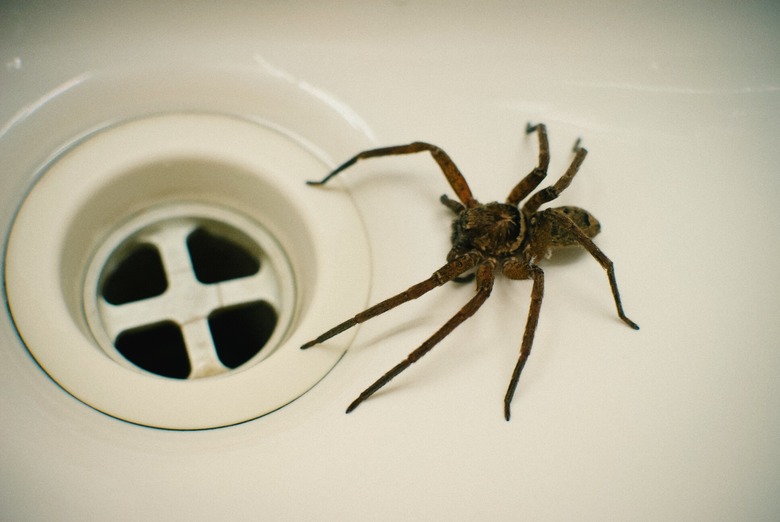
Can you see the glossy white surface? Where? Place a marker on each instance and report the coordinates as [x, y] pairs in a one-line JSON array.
[[678, 106]]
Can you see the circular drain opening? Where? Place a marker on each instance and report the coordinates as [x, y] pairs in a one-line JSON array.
[[189, 291], [165, 271]]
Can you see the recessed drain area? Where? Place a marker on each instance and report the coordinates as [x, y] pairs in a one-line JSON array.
[[188, 291], [166, 270]]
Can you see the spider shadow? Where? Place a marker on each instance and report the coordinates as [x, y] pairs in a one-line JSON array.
[[417, 328], [563, 256], [386, 334]]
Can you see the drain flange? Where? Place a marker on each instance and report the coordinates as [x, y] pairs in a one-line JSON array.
[[194, 234]]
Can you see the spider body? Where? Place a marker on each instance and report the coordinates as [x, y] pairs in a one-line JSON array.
[[500, 230], [491, 238]]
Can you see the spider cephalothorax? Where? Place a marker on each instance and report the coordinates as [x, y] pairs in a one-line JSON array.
[[495, 229], [492, 237]]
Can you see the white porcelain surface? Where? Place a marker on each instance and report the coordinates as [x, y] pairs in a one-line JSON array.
[[679, 106]]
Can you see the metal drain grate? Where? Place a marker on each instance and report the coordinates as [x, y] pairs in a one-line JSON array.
[[188, 291]]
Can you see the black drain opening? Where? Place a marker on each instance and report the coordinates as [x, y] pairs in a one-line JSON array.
[[158, 348], [240, 332], [139, 275], [217, 258]]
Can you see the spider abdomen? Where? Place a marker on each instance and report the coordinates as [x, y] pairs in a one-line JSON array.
[[495, 229], [581, 217]]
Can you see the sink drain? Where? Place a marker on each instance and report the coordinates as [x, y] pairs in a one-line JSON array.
[[189, 291], [166, 270]]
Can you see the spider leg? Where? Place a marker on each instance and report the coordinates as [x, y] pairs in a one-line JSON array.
[[448, 167], [446, 273], [533, 178], [451, 204], [537, 292], [485, 278], [550, 193], [605, 262]]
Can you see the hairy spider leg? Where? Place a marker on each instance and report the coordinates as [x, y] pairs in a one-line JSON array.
[[446, 273], [548, 194], [485, 278], [448, 167], [605, 262], [533, 178], [515, 269]]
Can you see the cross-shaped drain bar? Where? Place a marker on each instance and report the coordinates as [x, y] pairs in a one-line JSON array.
[[191, 296]]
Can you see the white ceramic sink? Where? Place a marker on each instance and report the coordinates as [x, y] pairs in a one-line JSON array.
[[678, 106]]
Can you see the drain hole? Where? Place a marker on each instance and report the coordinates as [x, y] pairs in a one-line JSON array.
[[216, 258], [139, 275], [158, 348], [240, 332]]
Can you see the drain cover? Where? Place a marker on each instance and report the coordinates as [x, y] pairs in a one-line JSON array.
[[189, 291]]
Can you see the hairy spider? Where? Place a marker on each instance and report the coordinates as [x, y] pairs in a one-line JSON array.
[[487, 238]]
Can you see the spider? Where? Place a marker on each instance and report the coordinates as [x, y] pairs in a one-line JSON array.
[[488, 238]]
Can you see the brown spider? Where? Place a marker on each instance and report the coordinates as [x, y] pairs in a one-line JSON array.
[[487, 237]]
